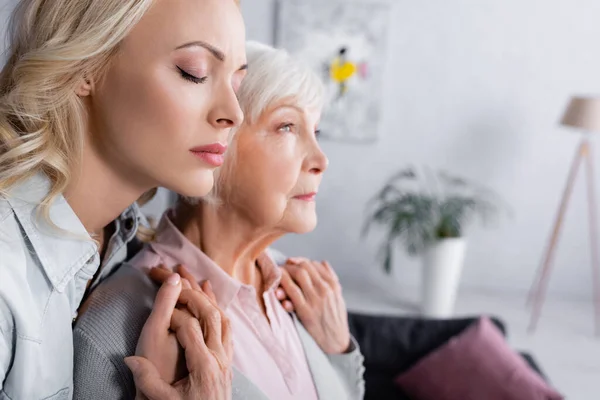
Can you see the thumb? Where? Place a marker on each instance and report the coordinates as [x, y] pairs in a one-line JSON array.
[[147, 379]]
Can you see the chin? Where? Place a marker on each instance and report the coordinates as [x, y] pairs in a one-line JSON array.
[[197, 184], [305, 225]]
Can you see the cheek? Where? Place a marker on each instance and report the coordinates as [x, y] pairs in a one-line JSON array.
[[146, 124], [279, 171], [149, 111], [265, 178]]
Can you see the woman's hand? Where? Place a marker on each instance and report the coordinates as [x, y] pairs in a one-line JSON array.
[[314, 289], [199, 326]]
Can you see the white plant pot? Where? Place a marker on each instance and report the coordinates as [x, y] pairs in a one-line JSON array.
[[442, 268]]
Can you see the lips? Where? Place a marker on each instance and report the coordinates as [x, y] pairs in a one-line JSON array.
[[212, 154], [306, 197]]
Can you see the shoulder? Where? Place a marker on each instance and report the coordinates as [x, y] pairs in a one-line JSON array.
[[120, 305], [108, 330], [5, 210], [12, 239], [24, 290]]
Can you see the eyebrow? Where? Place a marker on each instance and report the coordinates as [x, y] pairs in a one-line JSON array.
[[293, 107], [218, 54]]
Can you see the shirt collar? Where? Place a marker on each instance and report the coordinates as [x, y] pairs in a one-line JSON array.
[[63, 249], [172, 243], [117, 249], [270, 271]]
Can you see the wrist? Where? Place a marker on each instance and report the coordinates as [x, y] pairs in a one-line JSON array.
[[344, 346], [350, 347]]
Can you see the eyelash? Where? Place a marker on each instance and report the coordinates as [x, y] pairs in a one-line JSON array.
[[190, 77], [291, 125], [286, 125]]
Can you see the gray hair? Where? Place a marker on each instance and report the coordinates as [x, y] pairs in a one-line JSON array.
[[273, 76]]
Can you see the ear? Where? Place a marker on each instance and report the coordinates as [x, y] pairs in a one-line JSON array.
[[84, 87]]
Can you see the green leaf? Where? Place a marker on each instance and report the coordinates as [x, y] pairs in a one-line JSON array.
[[387, 262], [416, 216]]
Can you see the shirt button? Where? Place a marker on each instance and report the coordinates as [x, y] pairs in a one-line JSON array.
[[129, 223]]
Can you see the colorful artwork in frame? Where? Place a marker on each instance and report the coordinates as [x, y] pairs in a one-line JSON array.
[[345, 41]]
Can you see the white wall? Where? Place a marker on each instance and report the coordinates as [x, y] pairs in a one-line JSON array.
[[476, 87]]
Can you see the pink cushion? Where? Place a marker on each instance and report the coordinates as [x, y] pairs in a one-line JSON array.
[[475, 365]]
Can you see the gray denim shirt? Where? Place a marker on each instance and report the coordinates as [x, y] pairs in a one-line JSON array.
[[43, 276]]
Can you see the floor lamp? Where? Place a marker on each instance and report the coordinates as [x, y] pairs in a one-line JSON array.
[[583, 114]]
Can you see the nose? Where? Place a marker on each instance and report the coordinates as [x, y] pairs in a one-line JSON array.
[[317, 161], [226, 112]]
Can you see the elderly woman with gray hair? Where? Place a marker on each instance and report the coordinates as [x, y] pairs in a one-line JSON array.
[[265, 189]]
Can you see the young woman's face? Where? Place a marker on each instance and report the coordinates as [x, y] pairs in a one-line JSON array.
[[168, 99], [277, 169]]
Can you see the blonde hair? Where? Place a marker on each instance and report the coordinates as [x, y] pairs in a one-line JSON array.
[[273, 77], [53, 45]]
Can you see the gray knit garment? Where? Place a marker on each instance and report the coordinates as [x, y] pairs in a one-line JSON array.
[[111, 324]]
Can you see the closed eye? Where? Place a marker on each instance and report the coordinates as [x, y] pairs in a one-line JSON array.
[[190, 77]]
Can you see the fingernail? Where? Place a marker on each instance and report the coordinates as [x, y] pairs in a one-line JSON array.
[[174, 279], [293, 260], [209, 285], [132, 363]]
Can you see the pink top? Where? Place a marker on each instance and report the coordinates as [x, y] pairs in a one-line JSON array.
[[270, 355]]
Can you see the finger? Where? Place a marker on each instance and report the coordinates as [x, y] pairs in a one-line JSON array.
[[209, 316], [330, 269], [288, 306], [293, 291], [227, 339], [319, 283], [159, 274], [331, 276], [191, 338], [164, 304], [185, 284], [326, 273], [283, 298], [302, 275], [147, 379], [280, 293], [296, 260], [183, 271], [208, 289]]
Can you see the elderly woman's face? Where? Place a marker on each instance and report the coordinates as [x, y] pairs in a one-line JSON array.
[[278, 168]]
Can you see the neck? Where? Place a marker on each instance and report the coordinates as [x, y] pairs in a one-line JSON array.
[[99, 193], [231, 240]]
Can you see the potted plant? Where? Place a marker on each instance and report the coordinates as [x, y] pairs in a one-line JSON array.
[[427, 213]]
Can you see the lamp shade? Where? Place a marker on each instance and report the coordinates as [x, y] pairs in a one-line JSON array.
[[583, 113]]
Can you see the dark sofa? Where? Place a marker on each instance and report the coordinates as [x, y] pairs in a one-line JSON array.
[[391, 345]]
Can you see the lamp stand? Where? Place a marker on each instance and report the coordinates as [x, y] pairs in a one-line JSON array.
[[538, 289]]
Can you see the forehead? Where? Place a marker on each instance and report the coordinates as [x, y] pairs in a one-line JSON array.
[[171, 23], [287, 108]]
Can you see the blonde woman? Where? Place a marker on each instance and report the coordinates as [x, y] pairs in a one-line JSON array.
[[266, 188], [100, 101]]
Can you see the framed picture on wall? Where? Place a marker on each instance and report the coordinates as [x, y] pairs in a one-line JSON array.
[[345, 41]]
